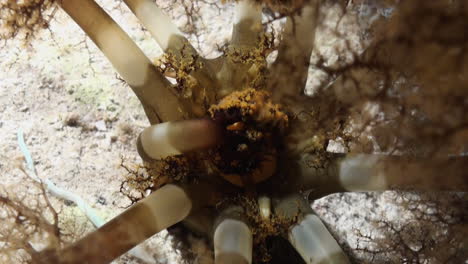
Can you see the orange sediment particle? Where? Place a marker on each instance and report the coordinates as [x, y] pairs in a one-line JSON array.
[[236, 126]]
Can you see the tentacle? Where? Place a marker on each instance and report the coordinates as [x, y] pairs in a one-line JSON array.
[[300, 175], [314, 242], [363, 172], [153, 90], [161, 209], [309, 236], [247, 24], [232, 241], [172, 41], [245, 36], [372, 172], [160, 26], [174, 138], [290, 69]]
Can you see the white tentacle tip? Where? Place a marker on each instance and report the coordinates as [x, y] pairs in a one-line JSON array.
[[246, 9], [233, 243], [168, 205], [175, 138], [264, 206], [314, 242]]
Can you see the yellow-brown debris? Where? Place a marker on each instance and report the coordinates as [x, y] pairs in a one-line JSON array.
[[254, 105]]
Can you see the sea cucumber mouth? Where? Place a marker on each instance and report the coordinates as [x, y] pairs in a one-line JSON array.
[[252, 127]]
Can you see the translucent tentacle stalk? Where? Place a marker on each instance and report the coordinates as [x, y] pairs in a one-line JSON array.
[[161, 209], [159, 25], [175, 138], [322, 180], [314, 242], [247, 23], [364, 172], [232, 242], [294, 52], [309, 236], [245, 36], [378, 172], [171, 40], [153, 90]]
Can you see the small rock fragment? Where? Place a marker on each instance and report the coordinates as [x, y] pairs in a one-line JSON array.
[[100, 125]]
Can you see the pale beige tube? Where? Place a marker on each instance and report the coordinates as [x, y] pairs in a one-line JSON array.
[[373, 172], [153, 90], [314, 242], [294, 52], [361, 173], [245, 36], [247, 23], [232, 242], [158, 24], [380, 172], [161, 209], [171, 40], [175, 138]]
